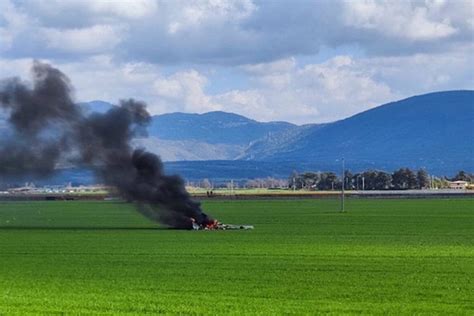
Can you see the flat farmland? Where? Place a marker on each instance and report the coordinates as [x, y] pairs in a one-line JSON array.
[[397, 256]]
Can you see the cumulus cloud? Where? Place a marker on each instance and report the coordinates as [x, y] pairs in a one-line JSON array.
[[312, 93], [12, 23], [399, 20], [62, 29], [195, 15], [184, 91], [94, 39], [276, 67], [232, 32], [344, 85], [98, 78], [165, 52], [86, 13]]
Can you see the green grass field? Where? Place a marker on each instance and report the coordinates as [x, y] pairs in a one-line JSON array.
[[381, 257], [245, 191]]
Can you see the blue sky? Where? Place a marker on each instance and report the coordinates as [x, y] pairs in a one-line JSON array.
[[299, 61]]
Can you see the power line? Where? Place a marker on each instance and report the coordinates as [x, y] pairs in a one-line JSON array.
[[342, 186]]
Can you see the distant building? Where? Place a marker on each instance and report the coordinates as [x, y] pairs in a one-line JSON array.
[[458, 185]]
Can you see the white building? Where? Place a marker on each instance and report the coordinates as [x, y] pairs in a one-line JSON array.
[[458, 185]]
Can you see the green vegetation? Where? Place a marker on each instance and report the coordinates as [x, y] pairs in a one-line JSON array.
[[263, 191], [401, 179], [382, 256]]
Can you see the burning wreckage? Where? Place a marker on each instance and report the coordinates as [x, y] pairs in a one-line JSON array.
[[216, 225]]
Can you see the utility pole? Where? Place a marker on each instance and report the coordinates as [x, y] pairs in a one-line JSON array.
[[363, 183], [342, 186]]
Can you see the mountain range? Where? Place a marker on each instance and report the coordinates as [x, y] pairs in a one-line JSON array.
[[192, 137], [434, 131], [209, 136]]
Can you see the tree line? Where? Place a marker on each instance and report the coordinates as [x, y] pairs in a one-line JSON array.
[[401, 179]]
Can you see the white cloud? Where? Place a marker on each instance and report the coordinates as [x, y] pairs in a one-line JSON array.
[[94, 39], [343, 86], [131, 9], [422, 73], [276, 67], [230, 32], [15, 68], [200, 13], [100, 78], [400, 19], [251, 103], [58, 13], [184, 91], [12, 23], [162, 52], [313, 93]]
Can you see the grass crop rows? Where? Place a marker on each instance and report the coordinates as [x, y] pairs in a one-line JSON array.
[[381, 257]]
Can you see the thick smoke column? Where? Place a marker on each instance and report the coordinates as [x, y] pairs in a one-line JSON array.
[[48, 128], [34, 145]]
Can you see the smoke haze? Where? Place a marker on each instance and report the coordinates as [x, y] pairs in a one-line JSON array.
[[47, 128]]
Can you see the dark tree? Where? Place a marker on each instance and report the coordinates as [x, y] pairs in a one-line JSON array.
[[398, 179], [422, 179], [328, 181], [295, 181], [348, 180], [383, 181], [357, 181], [376, 180], [369, 179], [411, 179], [404, 178], [463, 176], [309, 180]]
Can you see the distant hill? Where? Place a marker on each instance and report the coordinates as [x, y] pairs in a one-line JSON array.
[[277, 141], [183, 150], [208, 136], [213, 128], [435, 131]]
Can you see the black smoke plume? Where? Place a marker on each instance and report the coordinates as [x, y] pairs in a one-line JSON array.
[[47, 129]]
